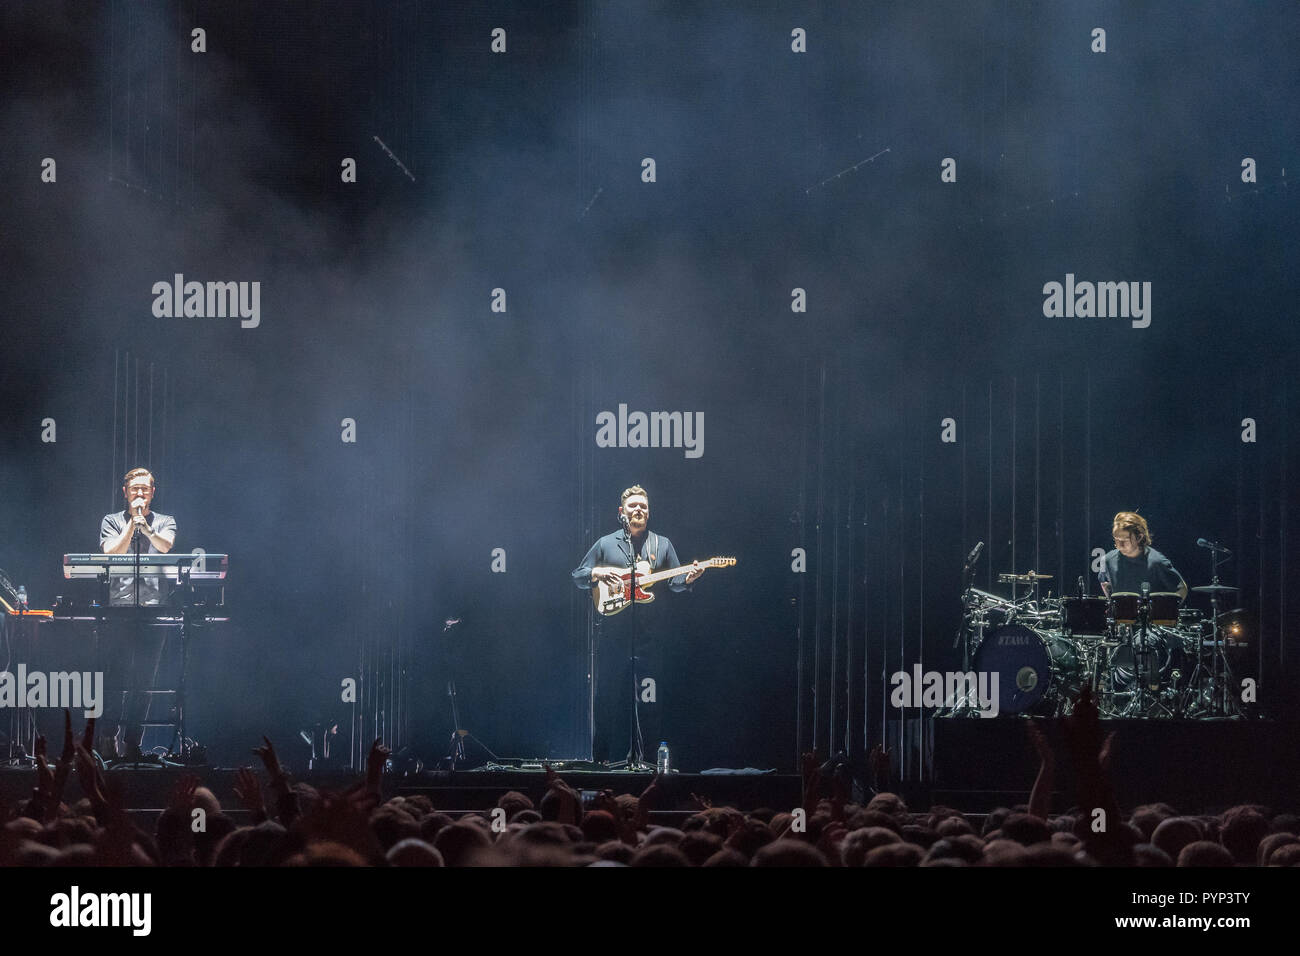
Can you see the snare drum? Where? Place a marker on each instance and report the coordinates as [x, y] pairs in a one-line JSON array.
[[1124, 606]]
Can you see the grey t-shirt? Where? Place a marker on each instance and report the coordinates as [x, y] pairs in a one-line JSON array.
[[121, 587]]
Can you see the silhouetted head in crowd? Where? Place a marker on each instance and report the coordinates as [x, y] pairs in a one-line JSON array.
[[599, 826], [995, 820], [411, 852], [458, 842], [953, 826], [858, 843], [266, 845], [1049, 854], [391, 826], [895, 854], [890, 803], [1149, 816], [699, 846], [1243, 828], [217, 827], [726, 857], [1271, 843], [326, 853], [615, 850], [1026, 830], [1175, 833], [661, 854], [1204, 853], [1288, 854], [1148, 854], [668, 835], [785, 853], [512, 802], [431, 824], [751, 836]]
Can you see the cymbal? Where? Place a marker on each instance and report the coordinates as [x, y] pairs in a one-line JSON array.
[[1215, 589], [1026, 577]]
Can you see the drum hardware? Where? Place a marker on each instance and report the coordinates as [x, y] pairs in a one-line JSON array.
[[1209, 695], [1144, 654], [1029, 577]]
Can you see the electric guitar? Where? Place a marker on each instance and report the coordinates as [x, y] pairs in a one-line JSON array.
[[611, 600]]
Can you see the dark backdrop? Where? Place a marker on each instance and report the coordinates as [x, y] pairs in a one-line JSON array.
[[476, 429]]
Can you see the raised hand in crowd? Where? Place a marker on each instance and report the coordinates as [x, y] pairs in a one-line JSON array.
[[287, 809], [570, 810], [376, 760], [1041, 796], [249, 792]]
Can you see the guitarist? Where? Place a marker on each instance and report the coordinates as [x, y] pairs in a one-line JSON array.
[[608, 558]]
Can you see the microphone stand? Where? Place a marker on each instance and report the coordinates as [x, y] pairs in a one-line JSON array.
[[1144, 609], [964, 629], [635, 751], [135, 541]]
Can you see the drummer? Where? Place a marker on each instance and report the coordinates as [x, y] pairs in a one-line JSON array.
[[1134, 562]]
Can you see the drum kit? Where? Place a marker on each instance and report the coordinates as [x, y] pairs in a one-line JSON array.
[[1144, 655]]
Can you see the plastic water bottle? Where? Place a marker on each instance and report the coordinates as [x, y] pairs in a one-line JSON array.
[[22, 597], [661, 762]]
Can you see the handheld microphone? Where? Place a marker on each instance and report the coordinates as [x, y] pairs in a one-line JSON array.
[[138, 506]]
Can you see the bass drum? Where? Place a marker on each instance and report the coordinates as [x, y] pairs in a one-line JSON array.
[[1038, 670], [1164, 654]]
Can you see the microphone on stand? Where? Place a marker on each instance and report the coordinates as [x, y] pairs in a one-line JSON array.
[[973, 557], [1212, 545], [1081, 586]]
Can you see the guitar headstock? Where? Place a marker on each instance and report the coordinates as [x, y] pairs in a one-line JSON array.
[[720, 562]]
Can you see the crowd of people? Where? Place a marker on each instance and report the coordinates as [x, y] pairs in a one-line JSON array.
[[269, 820]]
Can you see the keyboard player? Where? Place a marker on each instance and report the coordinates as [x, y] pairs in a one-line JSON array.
[[136, 523], [131, 654]]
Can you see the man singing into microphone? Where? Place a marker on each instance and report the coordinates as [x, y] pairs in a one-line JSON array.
[[131, 654], [614, 690], [118, 533]]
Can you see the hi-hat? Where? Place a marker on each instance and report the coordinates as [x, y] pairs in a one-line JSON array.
[[1028, 577], [1214, 589]]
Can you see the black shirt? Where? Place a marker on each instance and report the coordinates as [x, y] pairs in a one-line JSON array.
[[1128, 574]]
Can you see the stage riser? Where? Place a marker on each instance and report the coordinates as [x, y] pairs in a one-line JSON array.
[[1193, 765]]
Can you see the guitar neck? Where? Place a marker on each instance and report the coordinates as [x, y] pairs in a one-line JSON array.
[[644, 580]]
